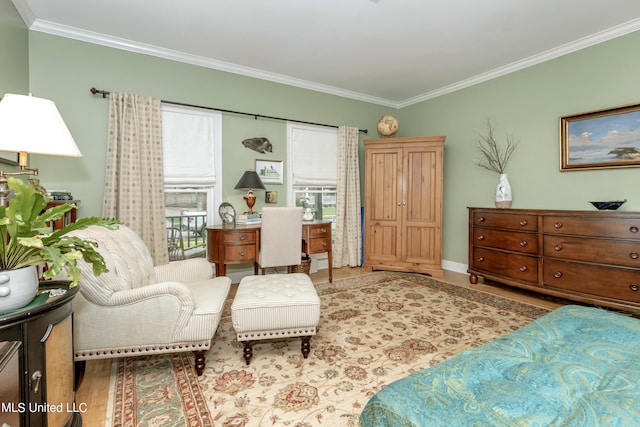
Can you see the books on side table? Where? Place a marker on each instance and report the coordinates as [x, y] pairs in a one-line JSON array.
[[245, 218]]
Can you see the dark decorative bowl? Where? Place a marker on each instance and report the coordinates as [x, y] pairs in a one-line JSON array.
[[608, 206]]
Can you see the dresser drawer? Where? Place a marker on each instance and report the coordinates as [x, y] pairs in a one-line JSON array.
[[622, 228], [608, 282], [508, 240], [240, 253], [515, 221], [601, 251], [239, 237], [520, 267]]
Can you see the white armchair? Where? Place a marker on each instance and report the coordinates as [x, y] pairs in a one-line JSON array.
[[138, 308]]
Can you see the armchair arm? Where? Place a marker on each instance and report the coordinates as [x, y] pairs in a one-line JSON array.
[[131, 296], [188, 270]]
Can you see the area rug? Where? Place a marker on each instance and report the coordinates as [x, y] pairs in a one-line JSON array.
[[373, 330]]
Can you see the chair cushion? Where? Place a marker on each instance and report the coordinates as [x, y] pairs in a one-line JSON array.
[[275, 301]]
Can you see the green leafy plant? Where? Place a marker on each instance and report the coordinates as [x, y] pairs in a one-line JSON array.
[[26, 239], [492, 156]]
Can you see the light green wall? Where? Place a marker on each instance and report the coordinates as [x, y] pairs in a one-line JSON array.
[[14, 51], [64, 70], [528, 104]]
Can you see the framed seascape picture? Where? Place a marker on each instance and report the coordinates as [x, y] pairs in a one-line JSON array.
[[269, 171], [601, 139]]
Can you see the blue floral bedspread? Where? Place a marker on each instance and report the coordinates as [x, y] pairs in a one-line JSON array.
[[576, 366]]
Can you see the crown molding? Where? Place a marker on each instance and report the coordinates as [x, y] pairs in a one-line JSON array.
[[147, 49], [132, 46], [592, 40]]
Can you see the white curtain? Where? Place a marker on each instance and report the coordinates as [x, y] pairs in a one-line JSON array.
[[134, 190], [347, 249]]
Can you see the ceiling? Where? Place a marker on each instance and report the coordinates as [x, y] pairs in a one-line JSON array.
[[389, 52]]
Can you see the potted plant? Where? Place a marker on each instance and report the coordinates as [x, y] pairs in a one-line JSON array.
[[27, 240], [495, 158]]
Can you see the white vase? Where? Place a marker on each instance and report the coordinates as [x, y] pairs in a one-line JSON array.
[[17, 288], [503, 192]]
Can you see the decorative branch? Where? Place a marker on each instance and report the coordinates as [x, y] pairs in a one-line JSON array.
[[492, 156]]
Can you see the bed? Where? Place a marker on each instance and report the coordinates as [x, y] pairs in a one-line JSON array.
[[576, 366]]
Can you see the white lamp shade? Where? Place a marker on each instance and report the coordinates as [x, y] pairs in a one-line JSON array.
[[34, 125]]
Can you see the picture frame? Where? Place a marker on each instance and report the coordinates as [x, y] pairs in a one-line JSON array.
[[270, 171], [601, 139], [9, 158], [271, 197]]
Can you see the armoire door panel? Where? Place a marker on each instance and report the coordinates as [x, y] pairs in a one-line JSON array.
[[383, 242], [420, 186], [383, 203], [422, 244]]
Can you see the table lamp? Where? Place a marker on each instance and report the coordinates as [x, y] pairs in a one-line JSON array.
[[250, 181], [31, 125]]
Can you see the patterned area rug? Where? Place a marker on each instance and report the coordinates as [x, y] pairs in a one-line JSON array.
[[373, 329]]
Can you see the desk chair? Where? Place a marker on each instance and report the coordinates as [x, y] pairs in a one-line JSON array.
[[280, 237]]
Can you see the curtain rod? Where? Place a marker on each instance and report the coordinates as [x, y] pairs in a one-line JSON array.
[[104, 94]]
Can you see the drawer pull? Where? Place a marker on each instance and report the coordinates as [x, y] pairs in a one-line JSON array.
[[524, 268], [634, 255], [481, 219], [557, 275], [242, 237], [324, 230], [524, 222], [558, 247], [633, 229], [480, 259], [558, 224], [634, 287], [523, 243], [241, 253], [324, 244], [481, 237]]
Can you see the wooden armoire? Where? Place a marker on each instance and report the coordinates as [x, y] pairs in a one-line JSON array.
[[403, 204]]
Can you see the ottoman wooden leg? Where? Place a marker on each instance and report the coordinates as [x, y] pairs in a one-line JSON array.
[[247, 352], [199, 361], [305, 346]]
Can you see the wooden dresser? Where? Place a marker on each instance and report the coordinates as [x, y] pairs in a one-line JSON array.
[[587, 256]]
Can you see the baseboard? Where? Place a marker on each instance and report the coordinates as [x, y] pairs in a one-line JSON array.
[[322, 263]]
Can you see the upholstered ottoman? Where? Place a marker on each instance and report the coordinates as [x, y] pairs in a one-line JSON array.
[[275, 306]]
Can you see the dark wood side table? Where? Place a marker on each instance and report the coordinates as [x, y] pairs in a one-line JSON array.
[[240, 244], [45, 360], [67, 218]]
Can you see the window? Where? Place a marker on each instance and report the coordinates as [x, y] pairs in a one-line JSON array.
[[192, 148], [313, 164]]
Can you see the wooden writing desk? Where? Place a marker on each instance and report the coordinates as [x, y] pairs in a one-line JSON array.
[[240, 244]]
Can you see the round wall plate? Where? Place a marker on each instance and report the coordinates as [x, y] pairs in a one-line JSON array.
[[227, 213]]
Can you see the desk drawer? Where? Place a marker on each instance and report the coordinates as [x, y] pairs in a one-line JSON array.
[[239, 236], [322, 230], [240, 253], [319, 245]]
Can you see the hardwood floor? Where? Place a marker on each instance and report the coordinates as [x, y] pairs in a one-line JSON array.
[[94, 389]]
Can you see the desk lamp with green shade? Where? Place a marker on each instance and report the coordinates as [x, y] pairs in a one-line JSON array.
[[250, 181]]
